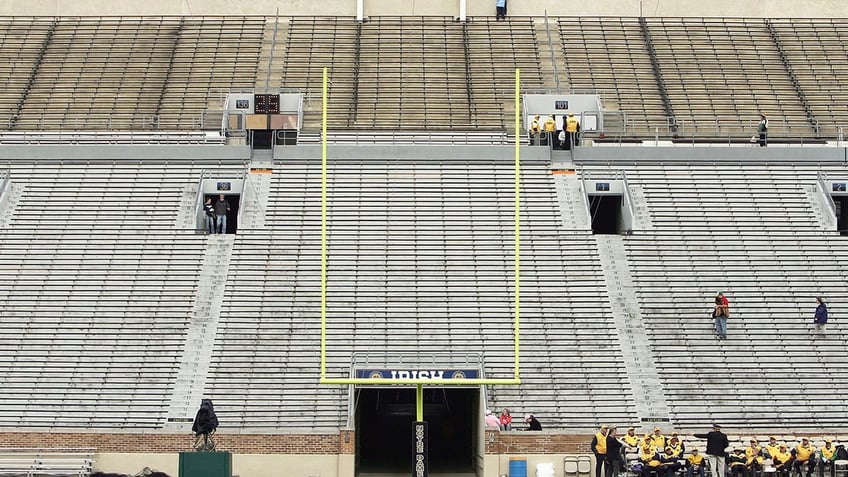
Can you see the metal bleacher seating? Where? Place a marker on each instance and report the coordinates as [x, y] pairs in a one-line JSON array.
[[21, 43], [401, 60], [132, 73], [383, 71], [97, 289], [748, 230], [211, 56], [815, 49], [419, 251], [313, 43], [608, 55], [721, 73], [99, 73]]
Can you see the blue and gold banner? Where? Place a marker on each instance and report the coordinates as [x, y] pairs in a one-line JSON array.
[[434, 374]]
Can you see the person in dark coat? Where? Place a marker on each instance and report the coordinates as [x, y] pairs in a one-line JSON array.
[[821, 314], [614, 460], [533, 424], [716, 444], [205, 423]]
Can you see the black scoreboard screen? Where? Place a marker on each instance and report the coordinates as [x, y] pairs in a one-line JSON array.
[[266, 104]]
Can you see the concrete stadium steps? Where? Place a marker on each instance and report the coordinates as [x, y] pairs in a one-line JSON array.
[[419, 252]]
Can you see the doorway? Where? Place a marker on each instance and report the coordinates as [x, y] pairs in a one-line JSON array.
[[606, 214], [232, 215], [384, 418]]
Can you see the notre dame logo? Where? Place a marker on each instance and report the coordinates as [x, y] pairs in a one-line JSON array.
[[458, 375]]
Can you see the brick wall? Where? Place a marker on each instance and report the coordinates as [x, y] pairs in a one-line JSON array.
[[152, 442], [537, 443]]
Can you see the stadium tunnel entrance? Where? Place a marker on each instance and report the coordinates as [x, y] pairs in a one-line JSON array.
[[384, 418]]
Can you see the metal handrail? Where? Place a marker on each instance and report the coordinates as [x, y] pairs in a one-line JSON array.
[[822, 186], [553, 57]]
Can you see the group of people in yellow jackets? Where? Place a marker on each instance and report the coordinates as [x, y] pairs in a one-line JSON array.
[[665, 456], [546, 133]]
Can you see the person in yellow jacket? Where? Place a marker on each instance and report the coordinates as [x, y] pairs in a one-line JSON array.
[[805, 454], [631, 440], [550, 129], [572, 128], [658, 439], [782, 460], [650, 460], [535, 129], [754, 456], [827, 454], [677, 447], [736, 461], [771, 448], [599, 448], [695, 463]]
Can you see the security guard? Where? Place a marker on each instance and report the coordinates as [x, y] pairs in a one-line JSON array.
[[550, 129], [572, 127], [535, 130]]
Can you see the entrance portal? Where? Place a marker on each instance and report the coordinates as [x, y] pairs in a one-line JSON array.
[[384, 418]]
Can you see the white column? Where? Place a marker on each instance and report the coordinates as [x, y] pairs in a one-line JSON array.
[[360, 9], [462, 8]]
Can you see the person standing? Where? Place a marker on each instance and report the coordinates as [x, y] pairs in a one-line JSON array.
[[500, 10], [720, 315], [550, 130], [209, 209], [572, 127], [762, 130], [535, 131], [221, 209], [614, 460], [716, 444], [821, 314], [599, 448]]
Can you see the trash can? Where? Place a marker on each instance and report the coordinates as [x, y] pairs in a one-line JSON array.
[[517, 467]]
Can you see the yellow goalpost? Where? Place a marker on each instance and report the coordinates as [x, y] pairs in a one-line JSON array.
[[419, 382]]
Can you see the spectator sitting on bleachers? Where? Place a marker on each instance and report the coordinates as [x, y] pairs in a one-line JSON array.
[[754, 456], [658, 440], [737, 463], [650, 461], [533, 424], [771, 448], [668, 463], [827, 454], [631, 440], [647, 440], [677, 447], [782, 460], [492, 421], [694, 463], [805, 454]]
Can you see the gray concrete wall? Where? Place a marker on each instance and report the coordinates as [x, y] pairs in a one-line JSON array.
[[667, 8], [225, 154], [710, 154]]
